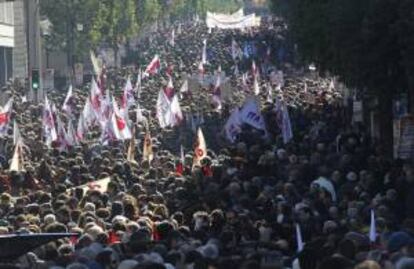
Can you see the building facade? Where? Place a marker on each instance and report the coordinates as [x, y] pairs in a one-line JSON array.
[[6, 41], [13, 40]]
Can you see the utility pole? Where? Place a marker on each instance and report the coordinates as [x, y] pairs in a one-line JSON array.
[[39, 52], [26, 15]]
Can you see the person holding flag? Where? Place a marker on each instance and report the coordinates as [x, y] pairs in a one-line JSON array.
[[153, 67]]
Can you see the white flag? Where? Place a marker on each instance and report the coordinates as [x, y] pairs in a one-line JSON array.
[[299, 241], [81, 128], [372, 229], [245, 84], [200, 149], [120, 124], [182, 155], [153, 66], [49, 129], [255, 71], [68, 103], [147, 153], [17, 162], [108, 133], [256, 86], [201, 72], [138, 84], [71, 135], [176, 113], [233, 126], [217, 101], [163, 110], [128, 95], [169, 90], [61, 134], [5, 117], [97, 110], [287, 127], [184, 87], [269, 97], [88, 114], [96, 98], [331, 86], [139, 116], [172, 40], [16, 133], [97, 65], [107, 109], [250, 114], [204, 55]]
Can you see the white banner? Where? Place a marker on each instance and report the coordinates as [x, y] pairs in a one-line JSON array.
[[226, 17], [233, 21]]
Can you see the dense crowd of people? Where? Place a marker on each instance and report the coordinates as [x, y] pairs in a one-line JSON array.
[[242, 207]]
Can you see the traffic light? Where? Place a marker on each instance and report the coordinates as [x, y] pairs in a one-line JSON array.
[[35, 79]]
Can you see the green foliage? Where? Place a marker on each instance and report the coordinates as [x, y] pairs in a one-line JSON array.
[[222, 6], [65, 15], [151, 11], [115, 22], [368, 44]]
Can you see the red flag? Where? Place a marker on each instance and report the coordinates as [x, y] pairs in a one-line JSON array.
[[73, 240], [169, 71], [113, 238], [153, 67], [207, 171], [96, 96], [200, 148], [93, 186], [169, 90], [120, 122], [68, 103], [4, 118], [179, 169], [155, 234]]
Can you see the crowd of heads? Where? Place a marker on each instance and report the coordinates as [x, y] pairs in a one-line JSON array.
[[242, 206]]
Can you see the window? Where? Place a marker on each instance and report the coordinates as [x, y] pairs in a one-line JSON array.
[[6, 13]]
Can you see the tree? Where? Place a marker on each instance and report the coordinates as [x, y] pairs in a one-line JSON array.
[[367, 44], [406, 41], [151, 11], [65, 16], [228, 6], [114, 23]]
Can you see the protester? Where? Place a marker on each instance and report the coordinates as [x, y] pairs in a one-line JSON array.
[[285, 182]]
